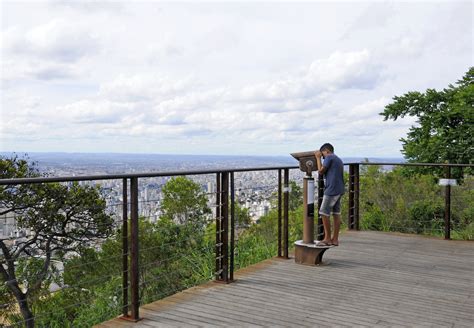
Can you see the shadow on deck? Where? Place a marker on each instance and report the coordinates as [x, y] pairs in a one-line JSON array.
[[372, 279]]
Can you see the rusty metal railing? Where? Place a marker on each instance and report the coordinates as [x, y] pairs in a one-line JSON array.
[[225, 236], [353, 220], [225, 222]]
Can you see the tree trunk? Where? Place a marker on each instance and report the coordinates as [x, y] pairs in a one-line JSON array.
[[25, 311]]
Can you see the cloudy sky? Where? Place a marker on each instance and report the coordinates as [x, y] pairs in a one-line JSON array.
[[221, 77]]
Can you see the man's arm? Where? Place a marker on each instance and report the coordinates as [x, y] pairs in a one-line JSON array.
[[321, 168]]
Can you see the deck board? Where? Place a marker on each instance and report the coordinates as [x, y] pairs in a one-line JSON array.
[[372, 279]]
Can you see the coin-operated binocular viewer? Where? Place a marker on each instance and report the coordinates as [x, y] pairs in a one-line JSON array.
[[307, 250]]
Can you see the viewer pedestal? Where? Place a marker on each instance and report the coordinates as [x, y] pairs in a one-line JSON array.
[[309, 254]]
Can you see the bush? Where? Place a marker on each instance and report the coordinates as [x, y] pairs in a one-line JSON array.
[[427, 216], [373, 219]]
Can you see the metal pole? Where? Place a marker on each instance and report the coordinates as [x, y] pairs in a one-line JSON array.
[[308, 210], [320, 235], [134, 277], [286, 195], [125, 248], [447, 206], [225, 226], [356, 196], [218, 226], [279, 213], [232, 225], [350, 218]]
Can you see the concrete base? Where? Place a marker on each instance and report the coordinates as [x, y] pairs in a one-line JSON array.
[[309, 254]]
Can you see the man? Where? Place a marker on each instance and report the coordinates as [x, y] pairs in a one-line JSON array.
[[333, 171]]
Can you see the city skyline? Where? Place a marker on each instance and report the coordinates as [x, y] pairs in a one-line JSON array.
[[267, 78]]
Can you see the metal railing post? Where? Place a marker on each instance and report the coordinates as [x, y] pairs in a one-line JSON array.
[[279, 214], [218, 226], [447, 206], [320, 228], [222, 227], [225, 225], [134, 274], [356, 196], [125, 247], [286, 196], [232, 225], [350, 218]]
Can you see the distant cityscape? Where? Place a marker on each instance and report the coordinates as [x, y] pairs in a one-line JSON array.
[[253, 189]]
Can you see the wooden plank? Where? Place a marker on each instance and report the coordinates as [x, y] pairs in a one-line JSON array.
[[372, 279], [188, 317], [167, 318], [242, 313]]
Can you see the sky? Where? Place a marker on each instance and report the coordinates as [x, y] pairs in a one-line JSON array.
[[230, 78]]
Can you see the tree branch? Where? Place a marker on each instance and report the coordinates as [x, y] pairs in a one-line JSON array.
[[42, 275]]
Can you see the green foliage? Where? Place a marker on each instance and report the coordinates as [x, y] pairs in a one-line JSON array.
[[59, 309], [464, 234], [242, 216], [393, 201], [258, 242], [295, 197], [374, 219], [427, 215], [184, 200], [445, 123], [55, 219], [178, 251]]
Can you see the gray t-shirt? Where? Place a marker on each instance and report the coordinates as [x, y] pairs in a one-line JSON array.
[[334, 176]]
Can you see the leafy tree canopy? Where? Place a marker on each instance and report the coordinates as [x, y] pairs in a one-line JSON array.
[[445, 129], [54, 219], [184, 201]]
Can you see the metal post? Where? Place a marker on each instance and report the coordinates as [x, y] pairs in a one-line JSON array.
[[225, 226], [286, 195], [350, 218], [125, 247], [447, 206], [308, 210], [320, 235], [134, 275], [218, 226], [232, 225], [279, 213], [356, 196]]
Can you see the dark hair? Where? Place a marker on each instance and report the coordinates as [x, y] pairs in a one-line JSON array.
[[327, 146]]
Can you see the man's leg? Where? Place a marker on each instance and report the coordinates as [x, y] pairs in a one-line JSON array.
[[337, 225], [327, 229], [337, 220]]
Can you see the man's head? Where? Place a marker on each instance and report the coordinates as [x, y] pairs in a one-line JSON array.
[[326, 149]]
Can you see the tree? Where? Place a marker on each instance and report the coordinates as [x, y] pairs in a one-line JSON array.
[[295, 199], [184, 201], [445, 130], [242, 216], [55, 219]]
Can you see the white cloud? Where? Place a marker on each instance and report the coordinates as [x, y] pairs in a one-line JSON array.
[[355, 69], [349, 70], [367, 110], [144, 87], [266, 78], [56, 40], [92, 112]]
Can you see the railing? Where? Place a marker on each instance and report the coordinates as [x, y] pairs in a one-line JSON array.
[[140, 266], [146, 271], [424, 206]]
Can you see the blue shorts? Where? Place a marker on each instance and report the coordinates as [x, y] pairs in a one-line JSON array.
[[330, 205]]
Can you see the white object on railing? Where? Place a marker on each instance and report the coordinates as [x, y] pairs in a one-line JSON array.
[[448, 182]]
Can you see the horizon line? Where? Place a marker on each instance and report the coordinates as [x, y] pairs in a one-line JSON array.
[[171, 154]]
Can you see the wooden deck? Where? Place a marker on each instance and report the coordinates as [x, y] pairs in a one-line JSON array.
[[371, 279]]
